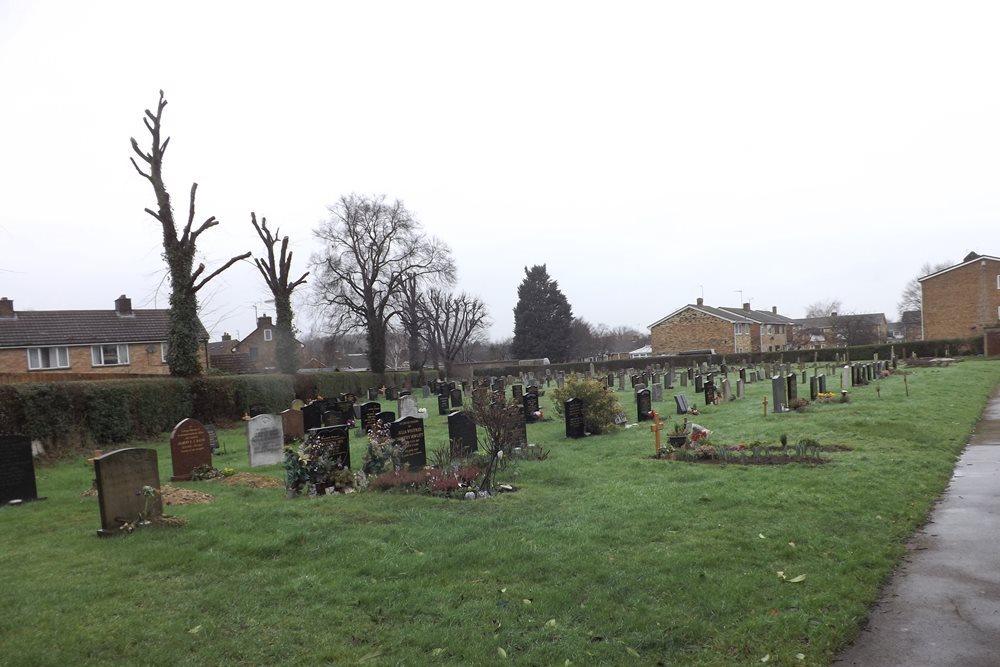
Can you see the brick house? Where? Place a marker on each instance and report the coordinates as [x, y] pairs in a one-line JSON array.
[[114, 342], [260, 348], [962, 300], [700, 327], [769, 331]]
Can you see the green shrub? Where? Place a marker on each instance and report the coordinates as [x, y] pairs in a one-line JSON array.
[[599, 403]]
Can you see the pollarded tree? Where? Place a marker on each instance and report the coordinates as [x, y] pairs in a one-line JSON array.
[[453, 320], [543, 318], [178, 251], [277, 274], [372, 248]]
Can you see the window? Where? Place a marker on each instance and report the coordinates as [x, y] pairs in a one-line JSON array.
[[47, 357], [163, 352], [267, 334], [998, 281], [253, 354], [109, 355]]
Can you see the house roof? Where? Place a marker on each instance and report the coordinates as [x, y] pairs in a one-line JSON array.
[[645, 349], [708, 310], [221, 347], [85, 327], [910, 317], [827, 322], [969, 259], [760, 316]]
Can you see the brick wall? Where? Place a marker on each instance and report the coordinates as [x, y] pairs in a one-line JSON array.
[[694, 330], [141, 362], [961, 302]]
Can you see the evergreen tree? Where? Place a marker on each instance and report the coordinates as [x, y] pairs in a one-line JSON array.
[[543, 318]]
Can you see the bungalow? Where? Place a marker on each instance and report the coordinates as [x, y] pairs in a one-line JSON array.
[[87, 341]]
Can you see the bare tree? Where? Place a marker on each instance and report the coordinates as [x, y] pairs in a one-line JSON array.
[[452, 321], [911, 298], [372, 248], [277, 274], [178, 252], [823, 308], [850, 329]]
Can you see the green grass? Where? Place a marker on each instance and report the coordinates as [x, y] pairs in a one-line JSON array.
[[604, 556]]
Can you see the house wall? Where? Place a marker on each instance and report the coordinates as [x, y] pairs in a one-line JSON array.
[[140, 362], [266, 356], [961, 302], [693, 330]]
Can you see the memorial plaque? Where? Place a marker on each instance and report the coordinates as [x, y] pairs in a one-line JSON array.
[[456, 398], [444, 407], [121, 476], [573, 412], [291, 425], [530, 407], [408, 432], [462, 433], [17, 469], [643, 405], [265, 440], [336, 440], [190, 447], [312, 415]]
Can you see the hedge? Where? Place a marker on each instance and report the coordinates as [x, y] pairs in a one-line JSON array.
[[69, 416]]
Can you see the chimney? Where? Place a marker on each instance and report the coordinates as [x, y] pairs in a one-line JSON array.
[[833, 314], [6, 308], [226, 337], [701, 301], [123, 306], [264, 322], [746, 306], [774, 309]]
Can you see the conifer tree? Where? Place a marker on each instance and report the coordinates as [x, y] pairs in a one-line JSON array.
[[543, 318]]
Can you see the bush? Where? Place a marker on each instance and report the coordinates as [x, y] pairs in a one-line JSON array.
[[599, 403]]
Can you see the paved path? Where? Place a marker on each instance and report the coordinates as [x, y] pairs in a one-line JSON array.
[[942, 606]]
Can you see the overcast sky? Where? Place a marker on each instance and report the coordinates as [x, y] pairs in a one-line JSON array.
[[648, 153]]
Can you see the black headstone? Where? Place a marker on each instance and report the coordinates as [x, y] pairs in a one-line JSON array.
[[462, 433], [456, 398], [444, 405], [682, 404], [709, 392], [573, 412], [257, 409], [17, 469], [373, 394], [386, 417], [813, 388], [793, 387], [699, 384], [530, 404], [369, 415], [391, 394], [337, 440], [312, 415], [408, 432], [643, 405], [517, 391]]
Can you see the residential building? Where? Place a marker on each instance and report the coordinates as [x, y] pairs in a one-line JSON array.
[[260, 348], [769, 331], [118, 341], [962, 300], [642, 352], [697, 327]]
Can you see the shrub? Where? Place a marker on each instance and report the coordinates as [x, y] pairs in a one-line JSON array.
[[599, 403]]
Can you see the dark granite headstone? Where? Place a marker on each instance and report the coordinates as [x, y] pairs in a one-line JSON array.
[[813, 388], [426, 391], [456, 398], [743, 374], [779, 387], [337, 439], [213, 437], [386, 417], [517, 391], [462, 433], [190, 447], [408, 432], [530, 405], [257, 409], [682, 403], [391, 394], [312, 415], [793, 387], [369, 415], [291, 424], [17, 469], [699, 384], [643, 405], [532, 389], [573, 413], [265, 440], [709, 393], [121, 476], [373, 394], [822, 383], [444, 405], [521, 437]]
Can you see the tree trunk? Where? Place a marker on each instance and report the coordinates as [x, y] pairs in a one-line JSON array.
[[183, 345], [287, 351], [376, 348]]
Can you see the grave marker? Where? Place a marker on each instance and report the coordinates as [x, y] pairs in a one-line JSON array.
[[17, 469], [643, 405], [265, 440], [462, 433], [337, 439], [190, 447], [409, 433], [573, 413], [121, 477], [312, 415], [530, 405], [291, 425], [456, 398], [444, 408]]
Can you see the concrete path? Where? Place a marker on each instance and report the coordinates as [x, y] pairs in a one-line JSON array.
[[942, 606]]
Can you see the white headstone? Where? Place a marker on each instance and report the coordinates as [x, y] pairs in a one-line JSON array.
[[265, 440]]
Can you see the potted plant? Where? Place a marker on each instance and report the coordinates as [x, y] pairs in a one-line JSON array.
[[678, 434]]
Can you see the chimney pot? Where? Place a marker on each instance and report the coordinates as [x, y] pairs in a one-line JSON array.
[[774, 309], [701, 301], [226, 336], [264, 321], [6, 307], [833, 314], [746, 306], [123, 306]]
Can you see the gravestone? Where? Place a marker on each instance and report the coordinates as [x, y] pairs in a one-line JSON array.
[[426, 391], [530, 405], [444, 407], [386, 417], [813, 388], [373, 393], [560, 381], [845, 378], [684, 379], [668, 377], [391, 394], [291, 425], [743, 374], [621, 382], [682, 403], [408, 432], [213, 438], [521, 433], [611, 380], [369, 415], [333, 418], [822, 383], [190, 447], [740, 390], [335, 439], [573, 413], [462, 433], [778, 388], [639, 387], [121, 476], [709, 392], [456, 398], [803, 377], [532, 389], [727, 390], [643, 405], [17, 469], [312, 415], [793, 387], [298, 404], [657, 392], [265, 440], [699, 384], [407, 407], [257, 409]]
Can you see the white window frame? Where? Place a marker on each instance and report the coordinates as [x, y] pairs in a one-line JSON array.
[[998, 281], [97, 357], [35, 357], [267, 335], [163, 352]]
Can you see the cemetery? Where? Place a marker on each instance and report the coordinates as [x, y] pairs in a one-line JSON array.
[[400, 528]]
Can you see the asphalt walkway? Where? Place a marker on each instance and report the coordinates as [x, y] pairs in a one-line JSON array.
[[942, 606]]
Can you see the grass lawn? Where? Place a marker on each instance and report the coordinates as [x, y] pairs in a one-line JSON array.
[[604, 555]]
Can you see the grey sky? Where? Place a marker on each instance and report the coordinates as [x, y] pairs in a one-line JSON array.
[[649, 153]]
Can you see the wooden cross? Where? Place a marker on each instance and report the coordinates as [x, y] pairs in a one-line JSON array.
[[656, 427], [765, 406]]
